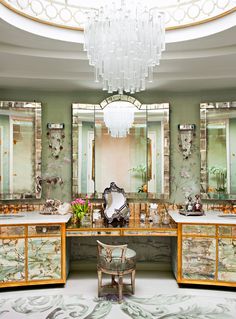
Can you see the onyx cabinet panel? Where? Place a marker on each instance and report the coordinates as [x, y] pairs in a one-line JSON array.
[[198, 258], [227, 254], [32, 254], [206, 254]]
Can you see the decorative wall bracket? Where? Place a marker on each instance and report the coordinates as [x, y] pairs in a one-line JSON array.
[[56, 137], [50, 182], [186, 134]]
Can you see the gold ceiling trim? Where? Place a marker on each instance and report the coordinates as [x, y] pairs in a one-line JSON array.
[[39, 20], [219, 16]]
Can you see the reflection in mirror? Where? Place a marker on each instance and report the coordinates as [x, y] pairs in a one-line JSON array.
[[121, 158], [124, 141], [158, 148], [83, 149], [218, 150], [20, 150]]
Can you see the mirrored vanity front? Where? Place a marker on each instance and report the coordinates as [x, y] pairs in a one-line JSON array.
[[20, 150], [123, 141], [218, 150]]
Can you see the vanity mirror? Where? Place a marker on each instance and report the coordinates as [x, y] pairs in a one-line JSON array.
[[116, 206], [121, 140], [20, 150], [218, 150]]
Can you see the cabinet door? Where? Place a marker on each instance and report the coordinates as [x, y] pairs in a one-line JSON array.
[[227, 259], [12, 259], [198, 258], [44, 258]]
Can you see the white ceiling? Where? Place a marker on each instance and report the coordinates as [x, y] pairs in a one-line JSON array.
[[35, 62]]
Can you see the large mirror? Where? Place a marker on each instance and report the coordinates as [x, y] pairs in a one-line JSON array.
[[20, 150], [218, 150], [123, 141]]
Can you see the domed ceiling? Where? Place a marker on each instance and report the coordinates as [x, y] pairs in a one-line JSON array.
[[37, 55]]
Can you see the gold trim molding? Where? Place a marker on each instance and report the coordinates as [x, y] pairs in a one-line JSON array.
[[219, 16]]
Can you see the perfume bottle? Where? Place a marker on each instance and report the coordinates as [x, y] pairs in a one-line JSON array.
[[197, 206], [189, 204]]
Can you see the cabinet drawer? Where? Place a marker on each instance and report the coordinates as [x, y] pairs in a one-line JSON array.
[[208, 230], [38, 230], [227, 231], [12, 231]]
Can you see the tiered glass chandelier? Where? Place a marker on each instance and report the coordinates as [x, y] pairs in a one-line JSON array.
[[118, 118], [124, 40]]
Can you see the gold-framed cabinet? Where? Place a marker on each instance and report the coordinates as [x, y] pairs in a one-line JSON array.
[[32, 254], [206, 254]]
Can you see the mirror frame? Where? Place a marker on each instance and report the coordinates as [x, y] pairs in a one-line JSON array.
[[204, 108], [37, 107], [166, 140]]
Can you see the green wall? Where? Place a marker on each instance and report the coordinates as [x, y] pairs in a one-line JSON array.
[[185, 174]]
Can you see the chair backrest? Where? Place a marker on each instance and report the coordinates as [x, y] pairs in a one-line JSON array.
[[106, 251]]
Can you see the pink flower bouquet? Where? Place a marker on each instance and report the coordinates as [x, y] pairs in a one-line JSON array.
[[80, 207]]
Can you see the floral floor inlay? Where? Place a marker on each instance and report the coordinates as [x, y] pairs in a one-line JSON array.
[[158, 306]]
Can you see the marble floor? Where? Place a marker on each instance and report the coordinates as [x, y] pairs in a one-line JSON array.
[[157, 296]]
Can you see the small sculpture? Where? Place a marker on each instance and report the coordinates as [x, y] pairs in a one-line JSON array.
[[51, 206]]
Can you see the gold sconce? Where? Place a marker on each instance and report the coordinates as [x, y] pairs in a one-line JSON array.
[[56, 137]]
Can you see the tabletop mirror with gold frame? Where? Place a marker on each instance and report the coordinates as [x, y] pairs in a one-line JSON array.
[[218, 150], [20, 150], [124, 141]]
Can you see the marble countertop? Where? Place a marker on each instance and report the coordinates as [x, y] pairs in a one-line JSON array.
[[210, 217], [32, 218]]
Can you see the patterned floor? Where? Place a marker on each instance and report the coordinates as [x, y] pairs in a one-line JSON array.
[[161, 306]]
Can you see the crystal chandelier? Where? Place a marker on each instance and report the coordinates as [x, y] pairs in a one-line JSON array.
[[118, 118], [124, 40]]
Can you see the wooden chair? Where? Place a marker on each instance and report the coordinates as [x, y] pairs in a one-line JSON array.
[[116, 260]]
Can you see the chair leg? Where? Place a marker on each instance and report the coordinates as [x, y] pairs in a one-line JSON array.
[[133, 281], [99, 283], [113, 282], [120, 287]]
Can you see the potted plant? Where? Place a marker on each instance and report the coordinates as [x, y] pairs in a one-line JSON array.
[[80, 207], [220, 175], [141, 172]]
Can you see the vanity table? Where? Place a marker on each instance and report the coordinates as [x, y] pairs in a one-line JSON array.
[[205, 251], [32, 249], [33, 246]]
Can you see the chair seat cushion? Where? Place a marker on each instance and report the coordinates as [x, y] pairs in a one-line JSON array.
[[114, 263]]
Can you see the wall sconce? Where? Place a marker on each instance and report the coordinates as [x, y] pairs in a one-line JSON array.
[[186, 134], [55, 136]]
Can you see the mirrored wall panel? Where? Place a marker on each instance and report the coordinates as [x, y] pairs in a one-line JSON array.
[[218, 150], [121, 141], [20, 150]]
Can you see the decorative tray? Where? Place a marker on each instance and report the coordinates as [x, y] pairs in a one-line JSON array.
[[185, 213]]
